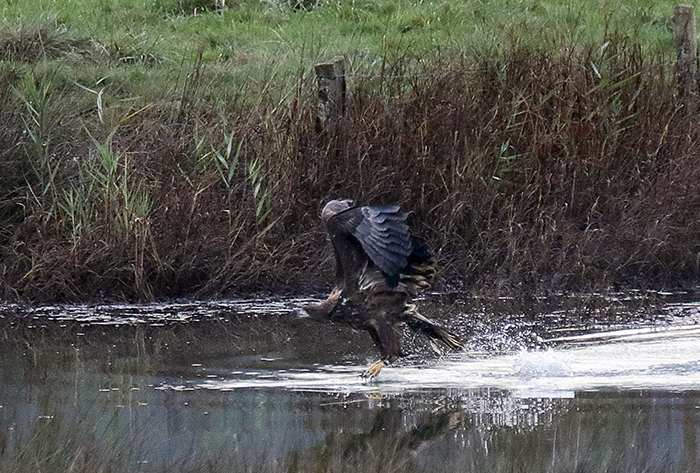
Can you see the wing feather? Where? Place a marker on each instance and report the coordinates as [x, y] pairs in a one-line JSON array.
[[385, 238], [382, 235]]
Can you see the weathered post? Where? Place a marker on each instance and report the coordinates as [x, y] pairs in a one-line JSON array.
[[331, 92], [686, 70]]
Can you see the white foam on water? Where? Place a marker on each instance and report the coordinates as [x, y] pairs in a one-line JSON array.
[[542, 363], [659, 359]]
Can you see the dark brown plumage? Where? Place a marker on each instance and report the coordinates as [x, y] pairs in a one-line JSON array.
[[379, 268]]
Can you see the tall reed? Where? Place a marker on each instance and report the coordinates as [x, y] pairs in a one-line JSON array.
[[526, 167]]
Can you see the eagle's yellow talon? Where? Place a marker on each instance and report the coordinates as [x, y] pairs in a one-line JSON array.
[[374, 369]]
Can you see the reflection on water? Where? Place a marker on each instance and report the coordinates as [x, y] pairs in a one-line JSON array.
[[607, 384]]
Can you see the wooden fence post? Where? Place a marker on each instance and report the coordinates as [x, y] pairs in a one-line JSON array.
[[331, 92], [686, 69]]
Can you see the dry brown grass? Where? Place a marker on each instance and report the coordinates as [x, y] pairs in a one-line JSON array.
[[40, 40], [574, 169]]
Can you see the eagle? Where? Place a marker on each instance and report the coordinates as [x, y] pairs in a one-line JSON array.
[[379, 268]]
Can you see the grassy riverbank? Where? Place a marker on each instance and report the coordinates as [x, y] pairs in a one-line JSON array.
[[153, 149]]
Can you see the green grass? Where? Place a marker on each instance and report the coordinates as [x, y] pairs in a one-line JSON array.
[[252, 42], [167, 147], [143, 48]]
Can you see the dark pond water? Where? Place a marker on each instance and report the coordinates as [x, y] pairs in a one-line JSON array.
[[596, 383]]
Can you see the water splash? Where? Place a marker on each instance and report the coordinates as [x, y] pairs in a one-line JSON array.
[[542, 363], [660, 359]]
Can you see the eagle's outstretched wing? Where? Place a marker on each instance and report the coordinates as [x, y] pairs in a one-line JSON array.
[[383, 238]]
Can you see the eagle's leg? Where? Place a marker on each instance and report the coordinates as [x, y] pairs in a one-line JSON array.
[[385, 339], [374, 369]]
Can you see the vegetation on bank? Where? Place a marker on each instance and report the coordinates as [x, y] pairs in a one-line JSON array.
[[168, 148]]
